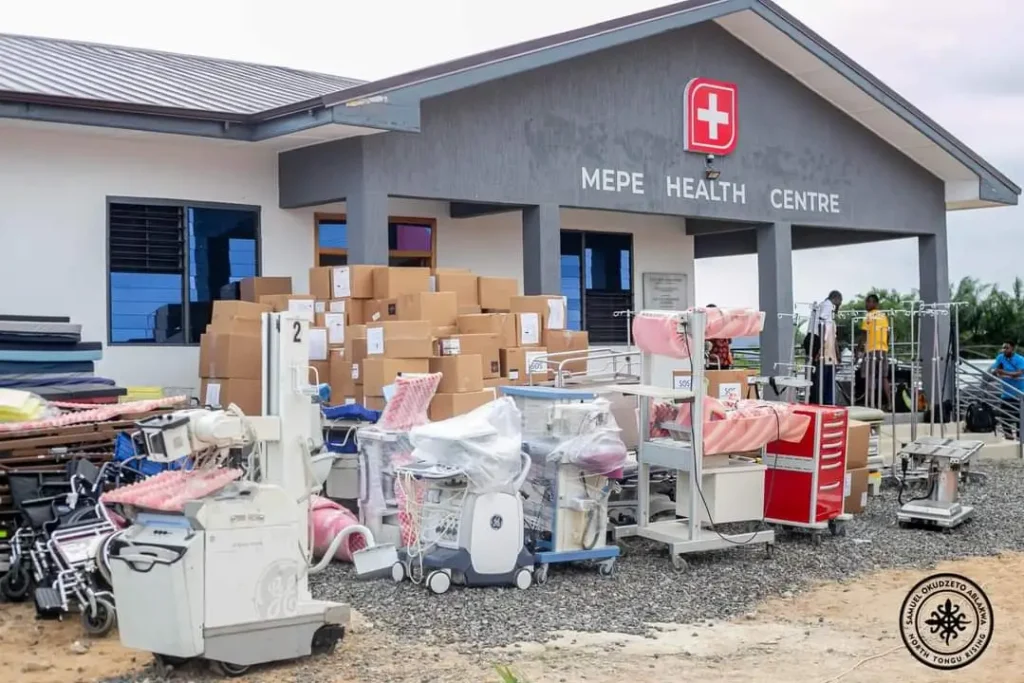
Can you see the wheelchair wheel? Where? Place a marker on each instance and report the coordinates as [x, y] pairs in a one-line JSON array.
[[16, 584], [98, 623]]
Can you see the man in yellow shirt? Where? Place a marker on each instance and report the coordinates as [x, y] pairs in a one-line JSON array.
[[875, 340]]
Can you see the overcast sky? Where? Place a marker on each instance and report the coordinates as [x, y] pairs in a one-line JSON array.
[[960, 62]]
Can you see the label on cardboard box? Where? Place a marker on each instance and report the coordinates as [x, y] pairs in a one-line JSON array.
[[864, 499], [212, 397], [321, 306], [730, 392], [306, 306], [556, 314], [847, 485], [337, 306], [513, 374], [682, 382], [335, 323], [374, 341], [450, 347], [534, 365], [317, 343], [350, 401], [530, 335], [355, 371], [342, 283]]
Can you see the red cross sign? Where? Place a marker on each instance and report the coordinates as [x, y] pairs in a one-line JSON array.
[[710, 120]]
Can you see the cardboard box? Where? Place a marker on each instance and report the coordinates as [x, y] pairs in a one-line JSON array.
[[399, 339], [445, 406], [501, 324], [237, 316], [573, 344], [462, 283], [528, 329], [354, 309], [858, 437], [342, 376], [355, 353], [321, 283], [335, 325], [245, 393], [483, 345], [460, 374], [226, 354], [355, 332], [380, 372], [319, 372], [470, 310], [317, 343], [380, 310], [725, 385], [299, 303], [373, 402], [252, 288], [495, 382], [495, 293], [519, 364], [391, 283], [354, 282], [440, 309], [855, 490], [551, 309], [355, 397]]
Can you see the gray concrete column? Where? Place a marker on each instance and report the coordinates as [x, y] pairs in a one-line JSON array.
[[933, 271], [367, 218], [775, 295], [542, 249]]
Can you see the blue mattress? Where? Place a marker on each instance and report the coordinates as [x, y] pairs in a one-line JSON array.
[[46, 368], [51, 356], [35, 318], [79, 392], [27, 382]]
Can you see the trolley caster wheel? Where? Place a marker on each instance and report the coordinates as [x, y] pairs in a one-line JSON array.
[[769, 550], [229, 670], [164, 664], [815, 540], [98, 622], [837, 528], [16, 584], [540, 574], [439, 582], [904, 525], [326, 639], [398, 573], [679, 564], [523, 578], [606, 568]]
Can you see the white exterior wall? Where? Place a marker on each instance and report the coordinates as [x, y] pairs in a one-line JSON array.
[[54, 182]]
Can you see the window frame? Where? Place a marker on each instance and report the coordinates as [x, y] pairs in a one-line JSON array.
[[186, 272], [583, 271], [410, 220]]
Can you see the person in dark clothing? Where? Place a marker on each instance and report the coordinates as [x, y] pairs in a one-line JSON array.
[[720, 353], [820, 347]]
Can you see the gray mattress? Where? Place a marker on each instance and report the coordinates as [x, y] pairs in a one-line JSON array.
[[34, 328]]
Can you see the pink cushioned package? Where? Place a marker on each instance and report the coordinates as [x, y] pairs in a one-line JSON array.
[[749, 427], [408, 407], [169, 491], [658, 332], [329, 519]]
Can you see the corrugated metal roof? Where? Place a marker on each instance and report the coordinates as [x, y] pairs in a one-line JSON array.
[[47, 67]]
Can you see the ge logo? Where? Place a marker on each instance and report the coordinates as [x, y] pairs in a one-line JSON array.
[[277, 590], [946, 621], [496, 522]]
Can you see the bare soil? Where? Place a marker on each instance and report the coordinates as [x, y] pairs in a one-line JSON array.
[[835, 633]]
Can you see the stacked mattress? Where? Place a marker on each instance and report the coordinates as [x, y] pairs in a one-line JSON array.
[[46, 355]]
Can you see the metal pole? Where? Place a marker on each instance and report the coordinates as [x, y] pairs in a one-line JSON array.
[[853, 360], [892, 389], [913, 378], [956, 368]]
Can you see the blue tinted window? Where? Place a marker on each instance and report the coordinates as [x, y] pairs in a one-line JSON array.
[[221, 250], [333, 235], [145, 307], [572, 291]]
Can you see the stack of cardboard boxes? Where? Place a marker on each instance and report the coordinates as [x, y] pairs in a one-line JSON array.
[[855, 487], [372, 324]]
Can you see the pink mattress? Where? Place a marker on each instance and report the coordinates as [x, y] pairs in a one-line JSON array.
[[657, 332], [93, 414], [749, 426], [169, 491]]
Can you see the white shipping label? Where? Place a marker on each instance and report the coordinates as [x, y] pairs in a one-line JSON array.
[[682, 382], [556, 314], [335, 323], [530, 333], [338, 306], [450, 347], [864, 499], [374, 341], [433, 283], [729, 392], [321, 306], [847, 485], [342, 283], [375, 317], [533, 362], [303, 306], [513, 374], [350, 401], [317, 343], [212, 394], [355, 371]]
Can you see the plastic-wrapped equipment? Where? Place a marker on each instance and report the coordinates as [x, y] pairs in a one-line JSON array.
[[23, 406], [485, 444], [657, 332], [599, 450]]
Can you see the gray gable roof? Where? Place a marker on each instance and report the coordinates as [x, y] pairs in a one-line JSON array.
[[88, 72]]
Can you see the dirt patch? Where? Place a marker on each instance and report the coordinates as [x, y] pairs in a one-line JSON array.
[[836, 633]]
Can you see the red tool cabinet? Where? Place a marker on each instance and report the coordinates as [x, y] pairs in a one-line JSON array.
[[804, 481]]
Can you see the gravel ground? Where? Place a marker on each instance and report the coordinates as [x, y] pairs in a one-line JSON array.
[[646, 590]]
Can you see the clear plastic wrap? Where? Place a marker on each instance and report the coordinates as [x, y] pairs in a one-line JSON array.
[[380, 451], [486, 444], [597, 451], [18, 406]]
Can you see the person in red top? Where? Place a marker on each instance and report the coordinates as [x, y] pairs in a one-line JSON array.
[[720, 353]]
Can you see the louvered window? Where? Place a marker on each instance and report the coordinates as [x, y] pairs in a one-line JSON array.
[[168, 262], [597, 281]]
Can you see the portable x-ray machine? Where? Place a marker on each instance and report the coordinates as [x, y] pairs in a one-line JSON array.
[[227, 581]]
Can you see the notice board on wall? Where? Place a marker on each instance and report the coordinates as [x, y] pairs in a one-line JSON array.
[[665, 292]]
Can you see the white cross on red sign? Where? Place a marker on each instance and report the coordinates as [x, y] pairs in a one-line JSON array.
[[710, 119]]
